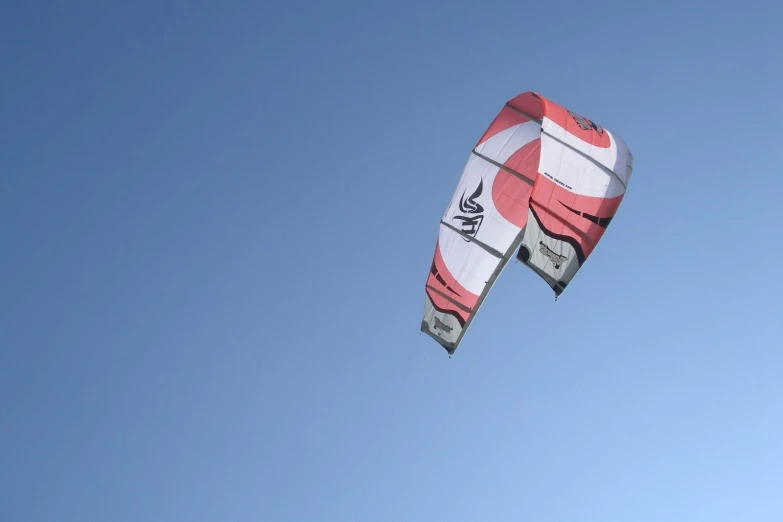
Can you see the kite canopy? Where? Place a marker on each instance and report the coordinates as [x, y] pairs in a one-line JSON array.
[[543, 182]]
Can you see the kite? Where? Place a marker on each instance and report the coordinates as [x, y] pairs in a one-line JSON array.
[[542, 184]]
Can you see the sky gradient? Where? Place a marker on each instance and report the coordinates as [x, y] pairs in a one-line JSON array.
[[217, 219]]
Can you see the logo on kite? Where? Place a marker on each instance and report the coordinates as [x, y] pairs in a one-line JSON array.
[[556, 259], [471, 223], [586, 124], [441, 325]]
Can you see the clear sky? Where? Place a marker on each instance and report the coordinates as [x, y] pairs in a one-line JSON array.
[[217, 219]]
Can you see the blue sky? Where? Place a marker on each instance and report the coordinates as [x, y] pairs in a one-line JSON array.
[[217, 221]]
